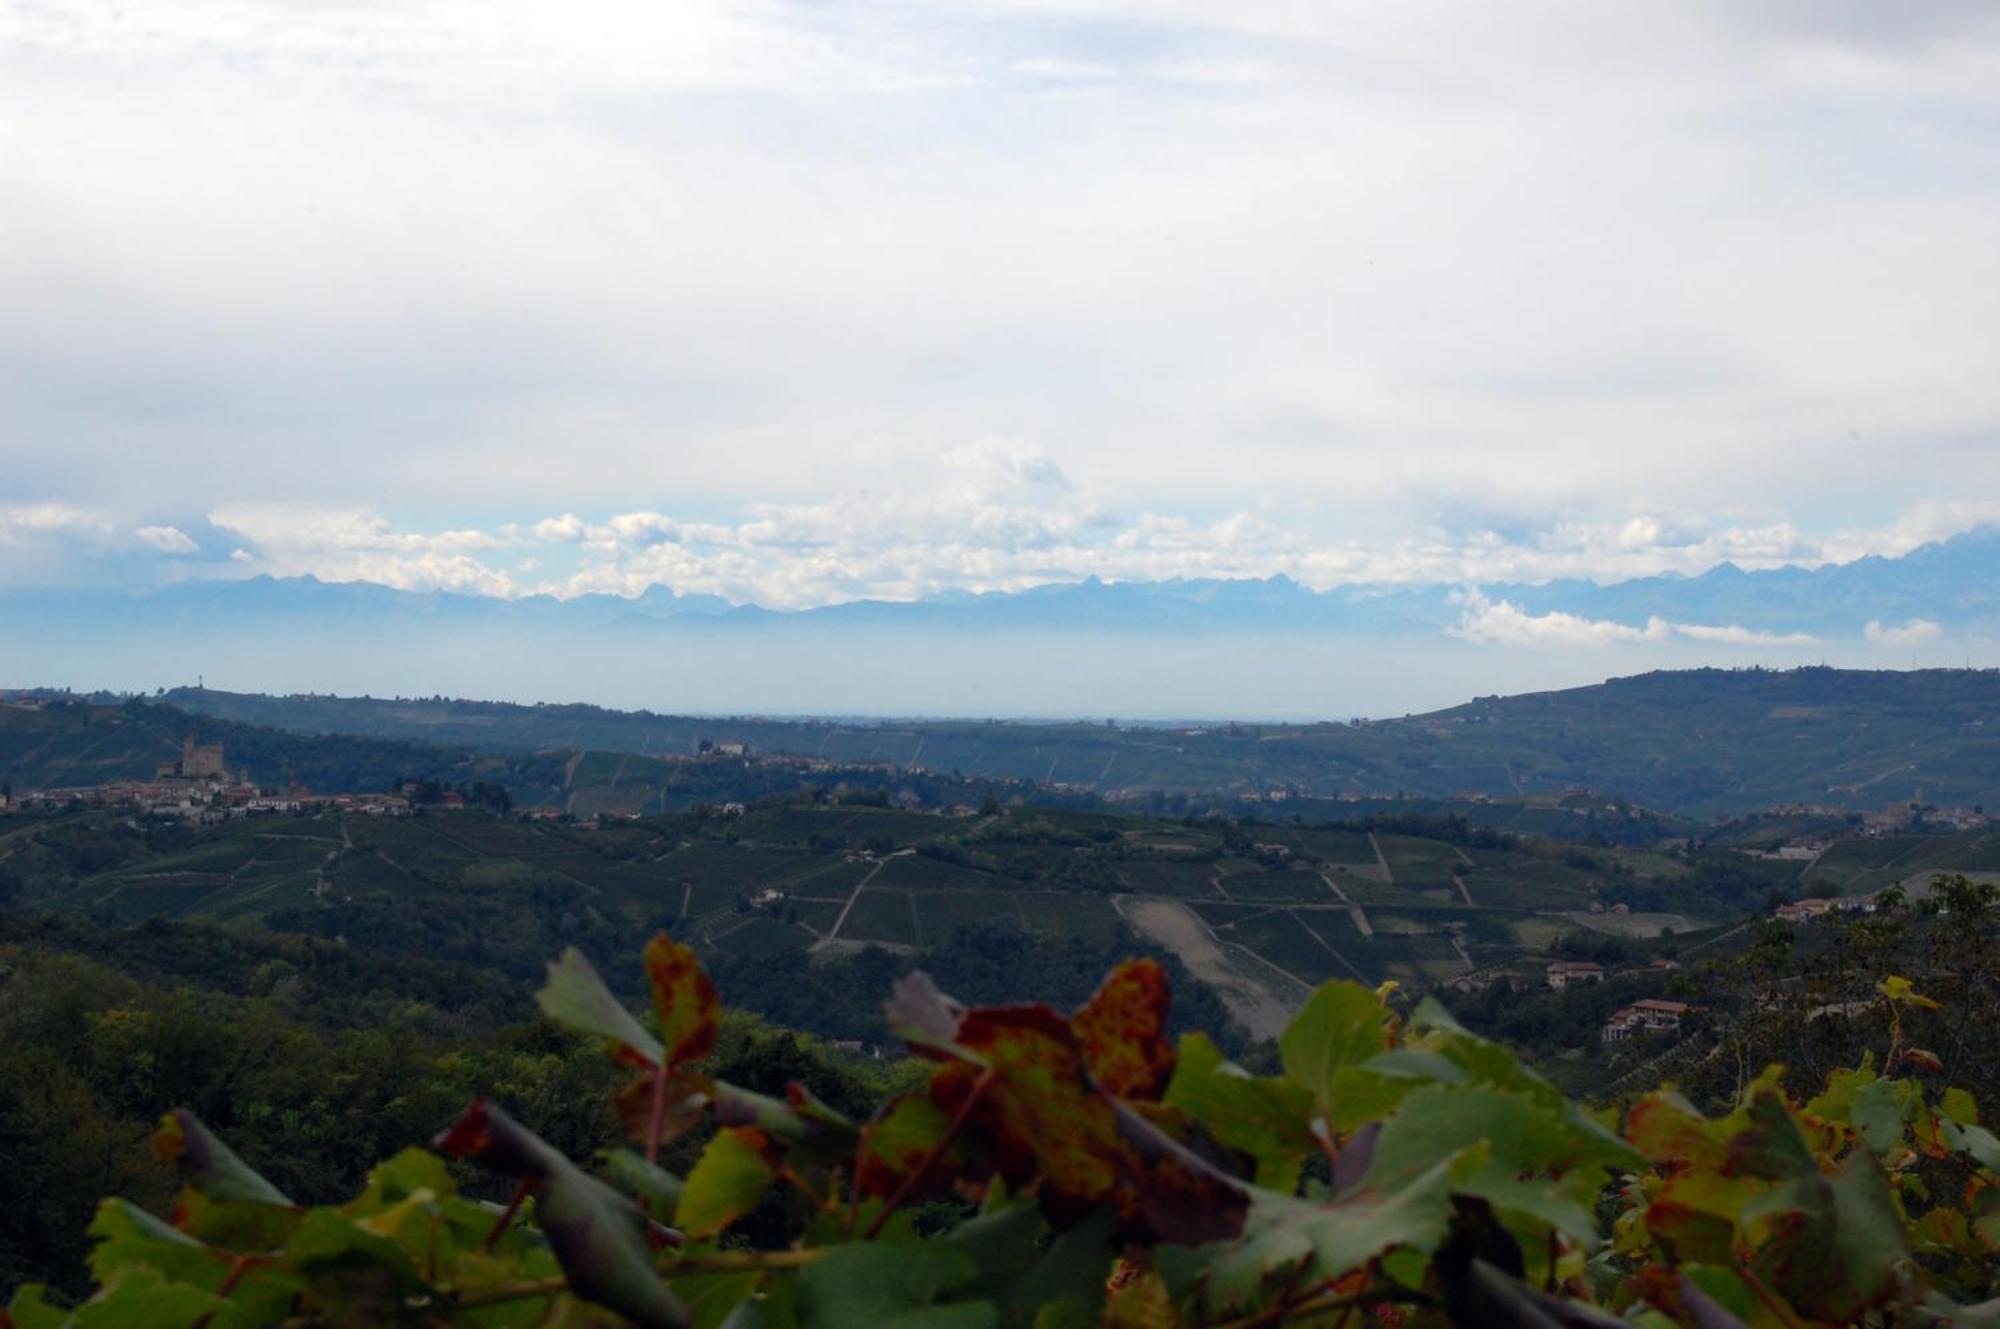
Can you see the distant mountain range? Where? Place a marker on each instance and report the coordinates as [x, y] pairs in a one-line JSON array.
[[1953, 583], [1253, 648]]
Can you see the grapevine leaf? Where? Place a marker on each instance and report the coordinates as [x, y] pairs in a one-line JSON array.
[[1004, 1243], [1694, 1215], [1041, 1113], [1066, 1285], [128, 1235], [233, 1225], [891, 1286], [1879, 1111], [350, 1269], [1123, 1030], [1286, 1239], [1902, 992], [924, 1017], [657, 1190], [1265, 1118], [140, 1297], [1668, 1132], [1959, 1106], [800, 1116], [1977, 1143], [683, 1098], [718, 1300], [1408, 1063], [31, 1309], [683, 998], [576, 997], [1773, 1146], [1361, 1097], [903, 1133], [1833, 1246], [1714, 1297], [1034, 1280], [731, 1175], [1182, 1196], [1513, 1151], [408, 1173], [211, 1166], [1341, 1025], [598, 1236]]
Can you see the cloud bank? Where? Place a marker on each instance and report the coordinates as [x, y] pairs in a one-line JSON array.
[[1913, 633], [1500, 623]]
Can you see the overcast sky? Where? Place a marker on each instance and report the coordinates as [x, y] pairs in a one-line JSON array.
[[801, 302]]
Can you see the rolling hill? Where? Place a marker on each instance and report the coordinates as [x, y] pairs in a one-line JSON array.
[[1701, 742], [1258, 913]]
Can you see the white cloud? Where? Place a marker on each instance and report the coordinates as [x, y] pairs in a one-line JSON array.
[[345, 544], [1501, 623], [1732, 635], [167, 539], [568, 528], [1912, 633], [996, 515], [51, 519]]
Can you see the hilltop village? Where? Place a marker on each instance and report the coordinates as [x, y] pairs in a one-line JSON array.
[[197, 785]]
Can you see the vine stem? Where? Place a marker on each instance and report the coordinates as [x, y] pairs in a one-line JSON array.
[[493, 1296], [506, 1216], [743, 1262], [958, 1120], [715, 1262], [1318, 1305], [238, 1266], [657, 1119], [1768, 1297]]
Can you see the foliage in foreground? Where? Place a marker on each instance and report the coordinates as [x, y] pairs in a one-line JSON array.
[[1400, 1171]]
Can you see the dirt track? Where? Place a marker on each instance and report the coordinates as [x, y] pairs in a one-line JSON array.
[[1260, 1010]]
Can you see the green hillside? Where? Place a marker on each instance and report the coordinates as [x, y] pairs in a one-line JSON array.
[[1258, 913], [1700, 742], [70, 742]]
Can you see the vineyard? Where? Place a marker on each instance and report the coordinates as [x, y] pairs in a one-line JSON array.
[[1054, 1170]]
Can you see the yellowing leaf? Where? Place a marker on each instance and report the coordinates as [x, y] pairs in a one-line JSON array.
[[1123, 1030], [725, 1184], [684, 998], [1901, 991]]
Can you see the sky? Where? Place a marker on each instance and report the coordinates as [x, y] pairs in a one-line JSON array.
[[803, 302]]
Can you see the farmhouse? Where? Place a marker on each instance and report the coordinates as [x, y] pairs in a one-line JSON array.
[[1804, 911], [1564, 972], [1651, 1016]]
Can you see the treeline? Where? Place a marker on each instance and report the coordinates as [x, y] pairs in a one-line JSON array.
[[315, 1059]]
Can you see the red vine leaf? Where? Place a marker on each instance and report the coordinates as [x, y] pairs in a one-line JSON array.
[[1123, 1030], [684, 998]]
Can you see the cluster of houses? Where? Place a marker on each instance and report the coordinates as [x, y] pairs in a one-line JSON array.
[[1816, 908], [194, 784], [1564, 973], [198, 785], [1653, 1015]]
